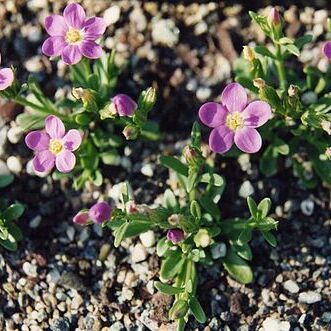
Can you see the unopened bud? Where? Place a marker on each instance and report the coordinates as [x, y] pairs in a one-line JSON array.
[[130, 132], [82, 94], [124, 105], [259, 83], [293, 90], [190, 154], [328, 153], [326, 126], [131, 207], [150, 97], [274, 17], [81, 218], [109, 111], [175, 219], [202, 238], [249, 53], [175, 235]]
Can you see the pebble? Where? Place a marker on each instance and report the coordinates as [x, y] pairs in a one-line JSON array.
[[273, 324], [61, 325], [112, 15], [147, 238], [76, 302], [30, 269], [147, 170], [14, 164], [307, 207], [104, 252], [246, 189], [218, 250], [138, 18], [165, 32], [291, 286], [309, 297], [34, 64], [117, 326], [14, 134], [139, 253], [326, 317], [203, 93], [35, 222], [4, 170]]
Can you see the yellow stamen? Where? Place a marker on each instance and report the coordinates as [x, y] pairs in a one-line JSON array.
[[74, 36], [55, 146], [234, 121]]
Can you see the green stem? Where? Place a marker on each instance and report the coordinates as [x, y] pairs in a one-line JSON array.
[[280, 67]]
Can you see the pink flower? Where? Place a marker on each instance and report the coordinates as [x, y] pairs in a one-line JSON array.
[[274, 17], [73, 35], [327, 49], [54, 147], [234, 120], [124, 105], [100, 212], [81, 218], [6, 77], [175, 235]]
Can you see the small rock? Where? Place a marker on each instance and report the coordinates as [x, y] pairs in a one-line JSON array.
[[104, 252], [326, 317], [117, 326], [273, 324], [203, 93], [35, 222], [112, 15], [147, 238], [246, 189], [291, 286], [14, 134], [218, 251], [139, 253], [307, 207], [4, 171], [165, 32], [76, 302], [30, 269], [147, 170], [309, 297], [61, 325], [14, 164]]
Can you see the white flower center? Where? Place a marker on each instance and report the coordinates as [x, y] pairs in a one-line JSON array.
[[234, 121], [74, 36]]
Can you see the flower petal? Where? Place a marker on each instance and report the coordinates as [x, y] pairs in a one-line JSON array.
[[221, 139], [6, 78], [53, 46], [65, 161], [327, 49], [256, 114], [71, 54], [212, 114], [72, 140], [74, 15], [54, 127], [90, 49], [55, 25], [37, 140], [248, 140], [94, 27], [43, 161], [234, 97]]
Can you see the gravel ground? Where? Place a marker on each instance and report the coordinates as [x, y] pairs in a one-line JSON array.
[[65, 277]]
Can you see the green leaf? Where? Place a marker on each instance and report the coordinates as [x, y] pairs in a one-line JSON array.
[[97, 178], [178, 310], [191, 181], [168, 289], [244, 251], [174, 164], [162, 247], [9, 243], [13, 212], [267, 224], [245, 236], [119, 233], [6, 180], [30, 121], [264, 207], [109, 157], [213, 179], [293, 49], [15, 231], [268, 162], [237, 267], [208, 204], [169, 200], [269, 238], [264, 51], [195, 209], [285, 41], [252, 207], [303, 40], [196, 135], [136, 227], [172, 265], [93, 82], [197, 310]]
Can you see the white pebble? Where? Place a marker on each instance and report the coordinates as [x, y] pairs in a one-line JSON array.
[[14, 134], [30, 269], [246, 189], [147, 238], [165, 32], [112, 15], [309, 297], [291, 286], [273, 324], [147, 170], [139, 253], [14, 164], [307, 207]]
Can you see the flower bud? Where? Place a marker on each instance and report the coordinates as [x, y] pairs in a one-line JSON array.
[[202, 238], [249, 53], [175, 219], [175, 235], [328, 153], [100, 212], [259, 83], [124, 105], [131, 207], [81, 218], [190, 154], [274, 17], [130, 132], [149, 98], [109, 111], [293, 90], [82, 94]]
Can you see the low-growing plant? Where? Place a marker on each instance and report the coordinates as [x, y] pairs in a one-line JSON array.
[[10, 233], [300, 98], [90, 107], [195, 232]]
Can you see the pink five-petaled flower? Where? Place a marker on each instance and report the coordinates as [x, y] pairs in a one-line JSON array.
[[327, 49], [234, 121], [6, 77], [54, 147], [73, 35], [100, 212]]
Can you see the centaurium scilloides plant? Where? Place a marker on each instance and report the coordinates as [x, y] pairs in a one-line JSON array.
[[98, 121], [194, 231]]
